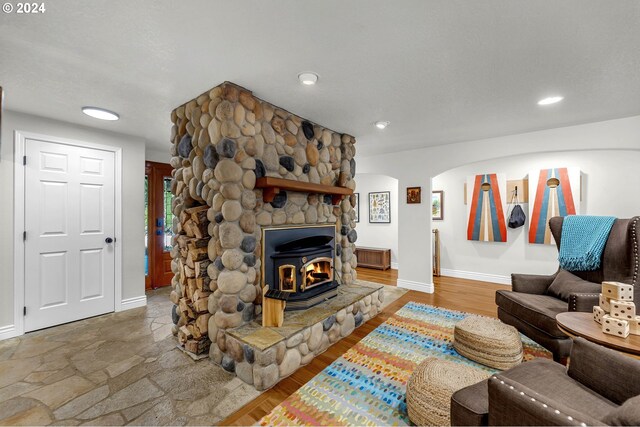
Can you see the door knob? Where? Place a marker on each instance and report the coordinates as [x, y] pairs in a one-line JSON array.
[[109, 240]]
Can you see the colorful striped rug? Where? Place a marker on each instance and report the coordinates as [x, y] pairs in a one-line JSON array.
[[366, 386]]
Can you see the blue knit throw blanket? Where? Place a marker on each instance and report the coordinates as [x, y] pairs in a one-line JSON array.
[[583, 240]]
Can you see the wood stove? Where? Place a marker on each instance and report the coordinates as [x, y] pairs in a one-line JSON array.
[[300, 261]]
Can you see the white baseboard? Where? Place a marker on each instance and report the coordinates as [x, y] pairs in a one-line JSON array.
[[134, 302], [415, 286], [484, 277], [7, 332], [394, 265]]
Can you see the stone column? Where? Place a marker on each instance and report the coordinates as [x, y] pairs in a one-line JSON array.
[[222, 141]]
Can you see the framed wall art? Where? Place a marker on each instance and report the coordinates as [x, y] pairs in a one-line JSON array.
[[380, 207], [414, 195], [437, 205], [486, 210], [554, 192]]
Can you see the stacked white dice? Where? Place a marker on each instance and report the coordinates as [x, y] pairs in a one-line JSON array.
[[616, 311]]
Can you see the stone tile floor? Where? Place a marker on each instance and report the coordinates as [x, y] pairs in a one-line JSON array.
[[120, 368], [116, 369]]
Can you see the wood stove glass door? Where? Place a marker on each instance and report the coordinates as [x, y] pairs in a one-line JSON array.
[[317, 272], [287, 278]]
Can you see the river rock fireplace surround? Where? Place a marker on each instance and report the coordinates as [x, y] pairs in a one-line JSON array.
[[262, 198]]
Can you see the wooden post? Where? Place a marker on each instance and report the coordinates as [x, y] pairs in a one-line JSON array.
[[436, 252], [272, 310]]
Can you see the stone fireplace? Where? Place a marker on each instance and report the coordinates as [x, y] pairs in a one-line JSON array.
[[262, 197]]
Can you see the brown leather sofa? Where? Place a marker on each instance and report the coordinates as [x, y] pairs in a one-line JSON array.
[[534, 301], [600, 387]]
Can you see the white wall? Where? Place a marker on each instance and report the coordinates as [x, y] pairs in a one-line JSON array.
[[159, 156], [132, 239], [607, 190], [413, 167], [378, 235]]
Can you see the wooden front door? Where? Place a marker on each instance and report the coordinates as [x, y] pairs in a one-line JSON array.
[[158, 223]]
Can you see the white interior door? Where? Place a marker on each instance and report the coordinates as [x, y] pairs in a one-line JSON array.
[[69, 219]]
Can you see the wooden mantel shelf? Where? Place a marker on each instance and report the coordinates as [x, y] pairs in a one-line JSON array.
[[272, 186]]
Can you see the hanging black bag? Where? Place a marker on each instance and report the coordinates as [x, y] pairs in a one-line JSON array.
[[517, 217]]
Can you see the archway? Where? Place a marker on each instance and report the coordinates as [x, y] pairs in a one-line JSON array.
[[417, 167], [495, 261]]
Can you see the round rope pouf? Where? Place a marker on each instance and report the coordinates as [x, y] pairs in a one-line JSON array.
[[488, 341], [431, 385]]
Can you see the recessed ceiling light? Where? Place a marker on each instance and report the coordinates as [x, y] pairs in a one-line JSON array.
[[100, 113], [308, 79], [550, 100], [382, 124]]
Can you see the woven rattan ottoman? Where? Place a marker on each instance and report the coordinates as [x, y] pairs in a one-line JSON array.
[[488, 341], [430, 387]]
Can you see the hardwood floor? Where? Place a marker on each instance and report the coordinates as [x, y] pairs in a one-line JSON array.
[[387, 277], [456, 294]]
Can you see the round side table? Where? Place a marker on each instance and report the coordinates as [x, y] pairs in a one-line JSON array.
[[577, 324]]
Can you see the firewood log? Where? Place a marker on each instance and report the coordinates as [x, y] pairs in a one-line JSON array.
[[200, 230], [197, 243], [200, 269], [184, 334], [202, 283], [189, 272], [201, 305], [198, 347], [184, 216], [192, 329], [198, 295], [198, 254], [198, 214], [190, 289], [196, 210], [202, 323], [183, 277], [185, 308], [182, 241], [190, 228], [195, 255]]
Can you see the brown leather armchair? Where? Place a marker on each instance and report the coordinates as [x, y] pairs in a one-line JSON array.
[[600, 387], [534, 301]]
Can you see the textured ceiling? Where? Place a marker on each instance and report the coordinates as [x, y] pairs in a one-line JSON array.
[[440, 71]]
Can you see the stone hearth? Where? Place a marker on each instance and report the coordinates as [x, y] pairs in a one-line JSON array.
[[268, 354], [227, 147]]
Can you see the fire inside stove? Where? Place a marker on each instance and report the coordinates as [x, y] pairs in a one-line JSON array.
[[317, 272], [288, 278]]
